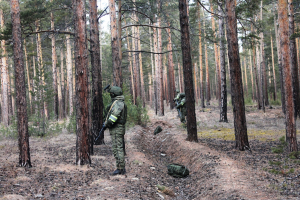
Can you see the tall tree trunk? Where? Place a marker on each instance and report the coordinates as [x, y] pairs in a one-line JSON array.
[[156, 66], [188, 72], [279, 65], [196, 82], [54, 74], [246, 77], [130, 67], [293, 59], [159, 72], [81, 67], [151, 79], [240, 125], [11, 101], [255, 74], [117, 70], [24, 152], [43, 110], [223, 99], [264, 84], [63, 88], [4, 78], [273, 68], [251, 74], [200, 58], [141, 67], [70, 75], [28, 75], [172, 90], [97, 102], [218, 83], [59, 94], [290, 122], [208, 97]]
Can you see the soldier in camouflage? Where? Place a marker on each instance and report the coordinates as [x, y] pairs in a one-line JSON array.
[[182, 106], [116, 115]]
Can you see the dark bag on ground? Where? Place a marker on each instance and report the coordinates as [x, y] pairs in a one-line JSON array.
[[177, 170]]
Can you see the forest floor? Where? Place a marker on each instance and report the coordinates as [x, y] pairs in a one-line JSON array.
[[217, 169]]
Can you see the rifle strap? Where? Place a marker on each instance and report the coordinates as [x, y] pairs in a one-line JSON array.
[[110, 109]]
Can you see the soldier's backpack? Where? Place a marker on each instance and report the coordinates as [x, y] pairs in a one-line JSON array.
[[177, 170]]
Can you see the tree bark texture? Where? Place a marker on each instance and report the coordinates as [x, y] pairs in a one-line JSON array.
[[188, 72], [293, 59], [62, 105], [24, 154], [273, 69], [200, 58], [290, 121], [97, 102], [223, 99], [240, 126], [54, 74], [117, 70], [28, 76], [4, 78], [208, 97], [143, 93], [160, 90], [279, 65], [81, 71], [70, 75], [171, 84], [218, 80]]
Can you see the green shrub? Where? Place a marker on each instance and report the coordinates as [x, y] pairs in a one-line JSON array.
[[11, 131], [294, 155]]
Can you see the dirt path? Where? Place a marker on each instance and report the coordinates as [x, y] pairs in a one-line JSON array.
[[214, 172]]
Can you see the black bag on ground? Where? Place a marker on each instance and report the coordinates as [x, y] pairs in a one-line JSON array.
[[177, 170]]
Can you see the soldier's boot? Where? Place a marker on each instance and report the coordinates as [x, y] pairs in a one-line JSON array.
[[119, 171]]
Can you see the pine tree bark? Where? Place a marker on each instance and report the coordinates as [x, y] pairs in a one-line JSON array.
[[63, 89], [159, 72], [208, 96], [240, 126], [156, 69], [81, 67], [70, 75], [54, 74], [218, 83], [293, 58], [223, 99], [28, 77], [4, 78], [24, 151], [132, 86], [172, 89], [151, 78], [143, 93], [97, 102], [279, 65], [200, 58], [290, 121], [273, 69], [117, 70], [188, 72], [251, 74]]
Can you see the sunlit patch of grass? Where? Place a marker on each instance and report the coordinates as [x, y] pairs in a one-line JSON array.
[[228, 134]]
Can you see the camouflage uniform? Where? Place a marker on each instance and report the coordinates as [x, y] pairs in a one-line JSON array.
[[182, 107], [116, 114]]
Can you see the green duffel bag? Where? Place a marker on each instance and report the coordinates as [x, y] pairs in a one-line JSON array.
[[177, 170]]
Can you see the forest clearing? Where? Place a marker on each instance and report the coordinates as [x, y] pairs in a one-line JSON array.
[[217, 169]]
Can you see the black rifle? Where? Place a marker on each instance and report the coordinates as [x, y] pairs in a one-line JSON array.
[[101, 133]]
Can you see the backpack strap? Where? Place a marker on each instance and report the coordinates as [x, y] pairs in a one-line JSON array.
[[110, 109]]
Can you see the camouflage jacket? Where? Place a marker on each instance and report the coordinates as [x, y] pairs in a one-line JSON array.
[[181, 103], [116, 114]]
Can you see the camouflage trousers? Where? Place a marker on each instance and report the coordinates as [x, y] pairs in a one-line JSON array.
[[117, 133], [182, 115]]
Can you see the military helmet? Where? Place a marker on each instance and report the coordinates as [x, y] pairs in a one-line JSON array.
[[117, 91], [177, 91], [182, 95]]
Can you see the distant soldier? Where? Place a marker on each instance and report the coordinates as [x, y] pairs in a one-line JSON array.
[[177, 100], [182, 107], [116, 115]]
